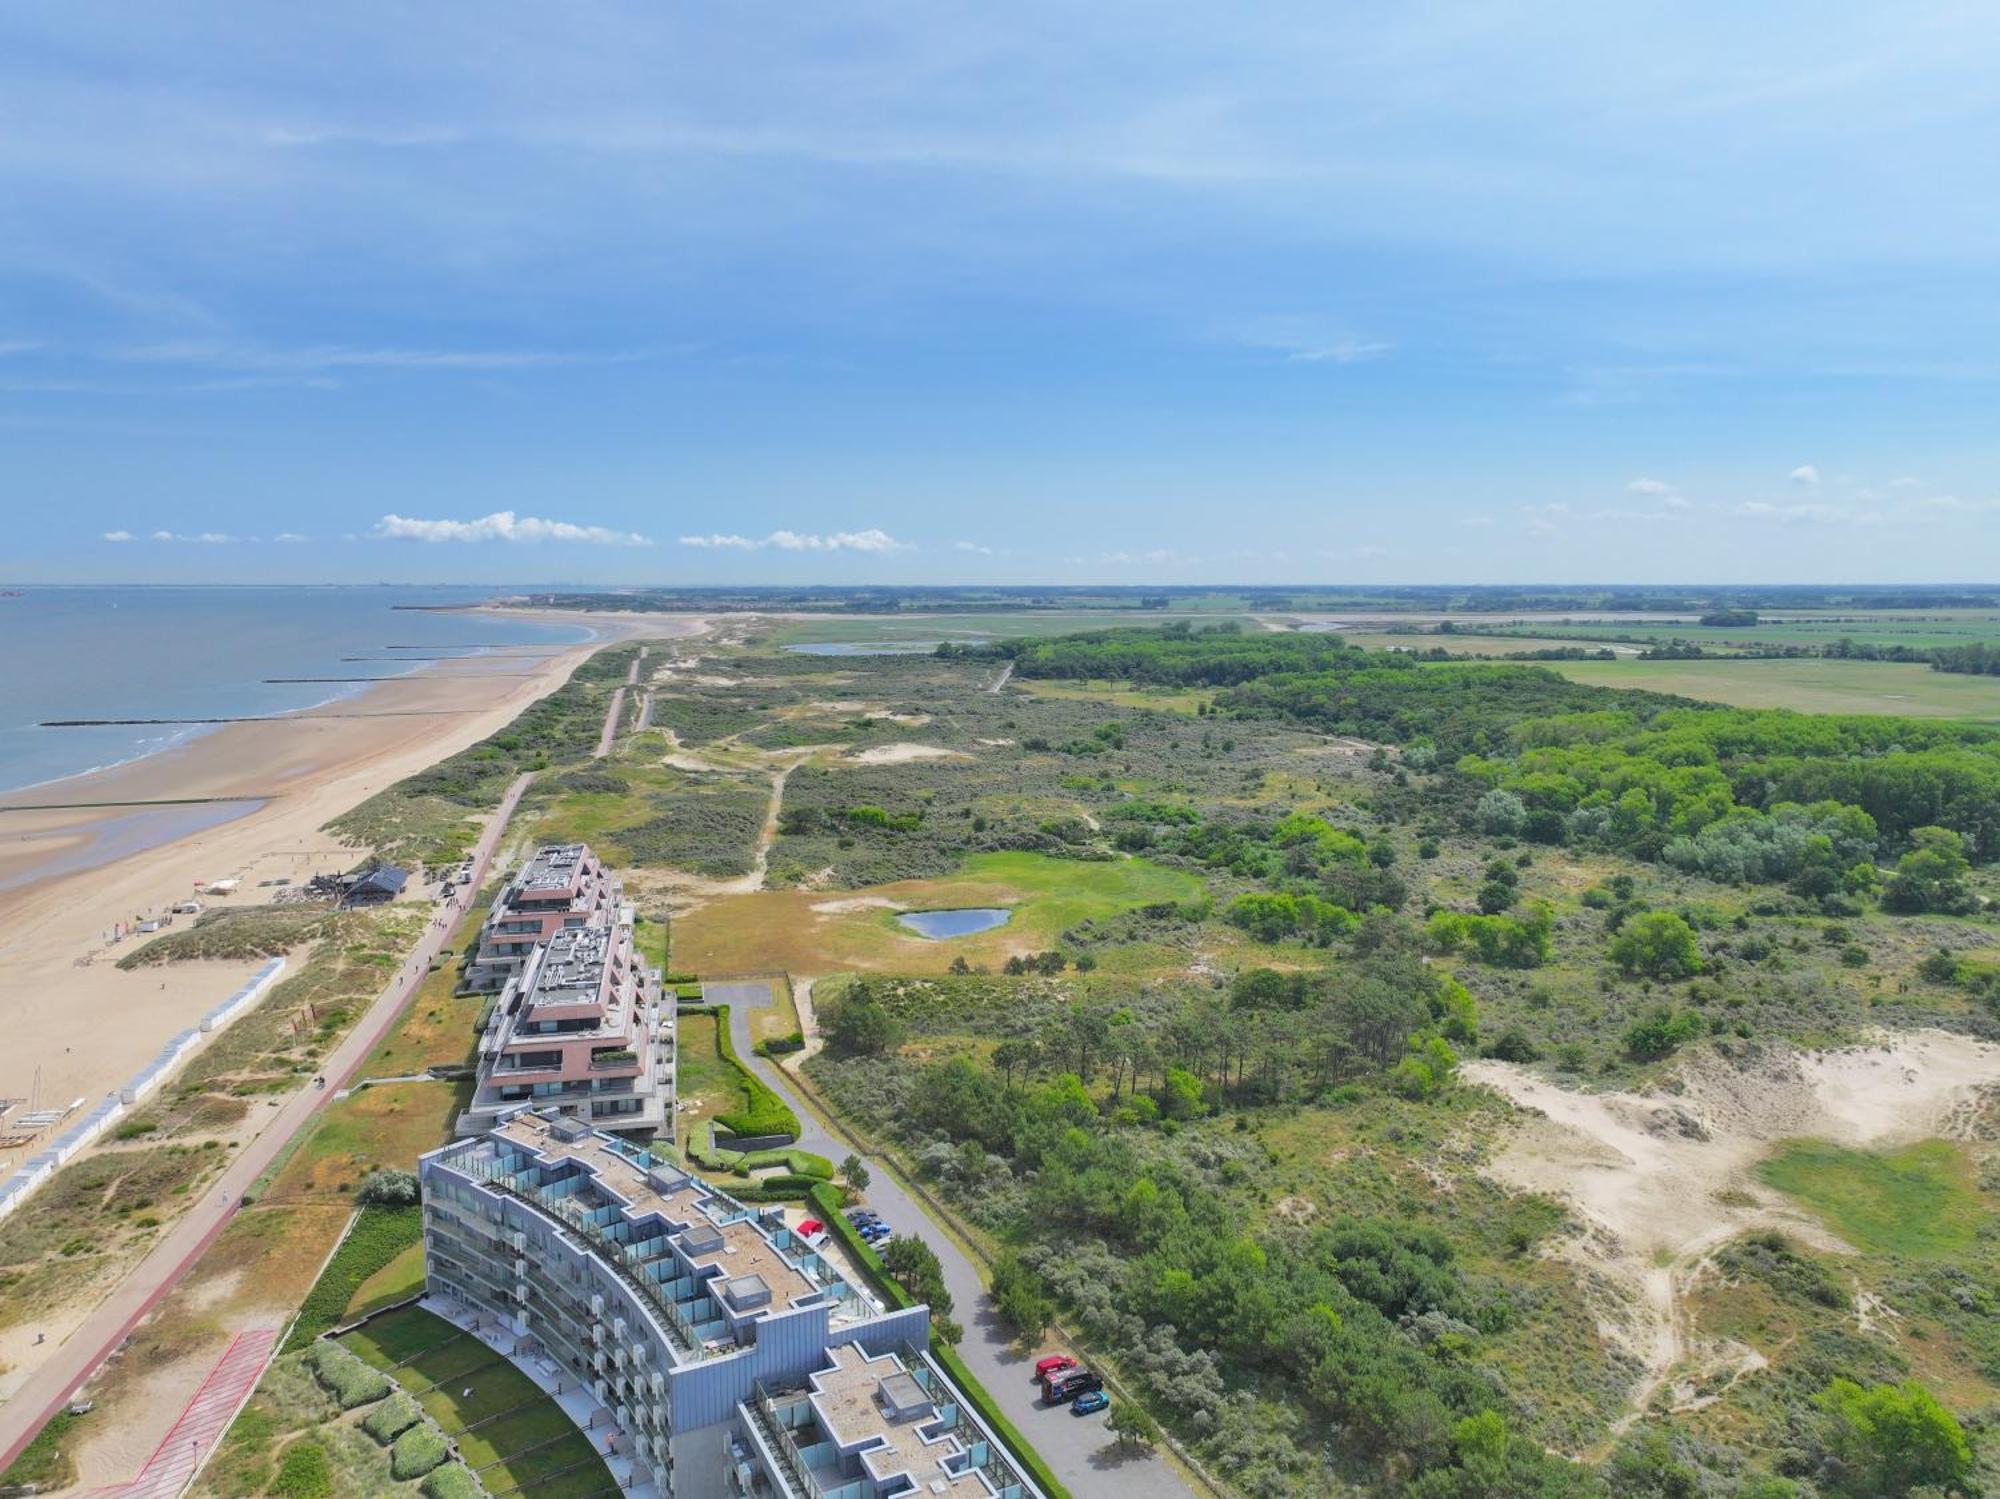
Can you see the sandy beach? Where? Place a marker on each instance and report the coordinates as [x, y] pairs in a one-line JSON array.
[[77, 1027]]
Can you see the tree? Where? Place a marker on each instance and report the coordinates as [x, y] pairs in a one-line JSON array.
[[860, 1025], [1894, 1438], [1931, 876], [1132, 1426], [1658, 944], [1501, 813], [854, 1171]]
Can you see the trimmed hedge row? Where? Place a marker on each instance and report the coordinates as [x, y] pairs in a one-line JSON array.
[[378, 1236], [417, 1451], [392, 1418], [783, 1188], [351, 1382], [764, 1112]]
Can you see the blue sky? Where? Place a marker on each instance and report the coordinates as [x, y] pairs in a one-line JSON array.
[[950, 292]]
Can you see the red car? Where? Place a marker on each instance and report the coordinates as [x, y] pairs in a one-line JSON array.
[[1055, 1363]]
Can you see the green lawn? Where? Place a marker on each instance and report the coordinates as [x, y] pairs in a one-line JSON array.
[[1919, 1201], [1809, 686], [802, 931]]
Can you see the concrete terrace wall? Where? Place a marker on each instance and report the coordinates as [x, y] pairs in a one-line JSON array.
[[38, 1168]]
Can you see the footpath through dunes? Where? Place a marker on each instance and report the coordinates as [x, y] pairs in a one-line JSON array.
[[1663, 1179]]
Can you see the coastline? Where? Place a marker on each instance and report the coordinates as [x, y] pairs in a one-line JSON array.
[[242, 800]]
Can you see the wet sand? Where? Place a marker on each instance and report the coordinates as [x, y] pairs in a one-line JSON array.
[[76, 1026]]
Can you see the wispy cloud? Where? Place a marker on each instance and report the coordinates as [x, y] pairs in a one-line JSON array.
[[245, 356], [1341, 351], [117, 535], [202, 538], [502, 525], [871, 540], [978, 549], [1805, 474]]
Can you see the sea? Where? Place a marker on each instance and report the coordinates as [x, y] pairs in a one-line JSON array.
[[205, 652]]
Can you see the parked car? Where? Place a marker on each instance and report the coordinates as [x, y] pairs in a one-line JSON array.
[[1055, 1363], [1089, 1403], [1069, 1384]]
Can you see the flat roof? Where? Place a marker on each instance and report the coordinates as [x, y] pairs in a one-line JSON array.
[[860, 1397]]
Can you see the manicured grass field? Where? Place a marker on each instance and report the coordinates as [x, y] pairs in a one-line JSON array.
[[1810, 686], [782, 929], [514, 1436], [400, 1279], [1918, 1201]]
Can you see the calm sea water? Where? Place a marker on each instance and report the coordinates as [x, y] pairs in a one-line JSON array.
[[203, 653]]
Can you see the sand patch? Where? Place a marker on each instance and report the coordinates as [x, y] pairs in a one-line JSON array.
[[902, 754], [1662, 1179], [908, 720], [858, 903], [996, 743]]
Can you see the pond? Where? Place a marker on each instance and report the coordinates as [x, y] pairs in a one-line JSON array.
[[937, 925]]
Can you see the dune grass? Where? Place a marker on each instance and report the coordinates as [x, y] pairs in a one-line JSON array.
[[1919, 1202]]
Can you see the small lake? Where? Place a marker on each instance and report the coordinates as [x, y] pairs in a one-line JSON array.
[[940, 924]]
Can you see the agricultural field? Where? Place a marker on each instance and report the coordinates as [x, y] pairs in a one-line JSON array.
[[1807, 685]]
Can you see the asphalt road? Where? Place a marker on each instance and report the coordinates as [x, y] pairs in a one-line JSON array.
[[1078, 1448]]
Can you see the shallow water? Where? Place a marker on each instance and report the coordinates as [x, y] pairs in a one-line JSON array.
[[937, 925]]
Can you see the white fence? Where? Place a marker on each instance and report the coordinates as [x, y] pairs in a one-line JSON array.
[[40, 1167]]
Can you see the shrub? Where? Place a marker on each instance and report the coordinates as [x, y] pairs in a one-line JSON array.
[[417, 1451], [303, 1472], [452, 1481], [389, 1188], [392, 1418], [350, 1382], [1661, 1033], [1658, 944]]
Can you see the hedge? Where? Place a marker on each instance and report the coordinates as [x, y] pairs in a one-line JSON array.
[[378, 1236], [782, 1188], [392, 1418], [417, 1451], [827, 1198], [772, 1046], [764, 1112], [350, 1382], [452, 1481], [797, 1162]]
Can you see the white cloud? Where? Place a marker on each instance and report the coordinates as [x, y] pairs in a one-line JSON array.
[[502, 525], [1341, 351], [871, 540], [290, 536], [1658, 488], [163, 536], [978, 549], [1805, 474], [117, 535], [1959, 506], [1907, 481], [203, 538]]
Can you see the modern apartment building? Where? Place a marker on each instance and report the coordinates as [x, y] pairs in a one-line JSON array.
[[724, 1357], [561, 887], [583, 1028]]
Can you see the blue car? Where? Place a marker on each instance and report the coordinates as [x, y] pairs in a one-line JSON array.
[[1089, 1403]]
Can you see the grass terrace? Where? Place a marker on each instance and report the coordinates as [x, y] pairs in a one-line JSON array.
[[515, 1437]]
